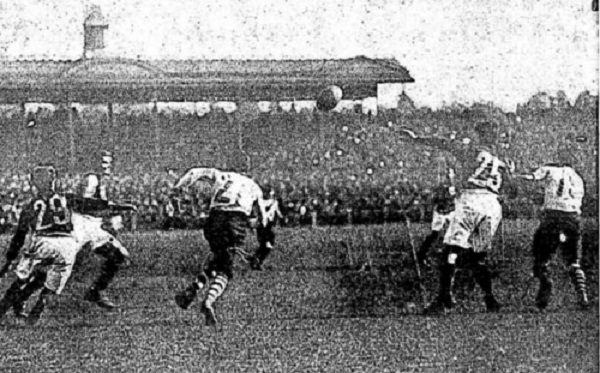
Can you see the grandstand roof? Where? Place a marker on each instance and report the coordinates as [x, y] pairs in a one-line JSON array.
[[131, 80]]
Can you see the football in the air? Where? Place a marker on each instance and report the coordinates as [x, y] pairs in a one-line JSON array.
[[329, 98]]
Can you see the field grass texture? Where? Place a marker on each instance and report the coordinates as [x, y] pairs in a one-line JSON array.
[[332, 299]]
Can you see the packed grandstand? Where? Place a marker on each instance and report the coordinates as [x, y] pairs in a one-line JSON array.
[[324, 168]]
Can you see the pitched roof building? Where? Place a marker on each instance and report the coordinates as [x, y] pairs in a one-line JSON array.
[[96, 78]]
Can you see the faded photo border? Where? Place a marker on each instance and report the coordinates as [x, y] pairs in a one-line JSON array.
[[344, 186]]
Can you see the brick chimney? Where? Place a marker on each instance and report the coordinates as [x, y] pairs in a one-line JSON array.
[[94, 26]]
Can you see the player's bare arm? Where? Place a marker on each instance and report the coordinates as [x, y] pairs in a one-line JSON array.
[[539, 174]]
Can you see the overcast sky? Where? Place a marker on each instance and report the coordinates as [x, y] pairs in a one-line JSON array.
[[457, 50]]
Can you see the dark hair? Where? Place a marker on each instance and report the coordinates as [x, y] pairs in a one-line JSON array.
[[41, 168]]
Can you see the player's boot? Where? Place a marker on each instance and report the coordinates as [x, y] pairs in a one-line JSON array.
[[444, 302], [422, 254], [445, 299], [96, 296], [437, 307], [25, 293], [491, 304], [209, 313], [578, 279], [255, 264], [185, 297], [215, 290], [38, 308], [10, 297], [544, 293], [584, 302]]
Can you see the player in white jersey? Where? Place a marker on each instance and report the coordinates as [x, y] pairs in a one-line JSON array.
[[481, 174], [560, 227], [235, 198]]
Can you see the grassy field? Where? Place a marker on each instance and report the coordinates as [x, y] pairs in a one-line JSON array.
[[313, 309]]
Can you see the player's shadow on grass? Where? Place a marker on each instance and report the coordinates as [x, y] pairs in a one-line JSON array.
[[377, 291]]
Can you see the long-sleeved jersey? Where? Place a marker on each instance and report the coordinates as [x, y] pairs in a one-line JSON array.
[[230, 191], [564, 188]]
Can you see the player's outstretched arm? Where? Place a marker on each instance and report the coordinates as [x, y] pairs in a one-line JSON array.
[[438, 142], [538, 174], [195, 174], [91, 205]]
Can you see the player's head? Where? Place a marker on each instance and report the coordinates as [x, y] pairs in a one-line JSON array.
[[564, 157], [43, 178], [268, 192], [486, 133]]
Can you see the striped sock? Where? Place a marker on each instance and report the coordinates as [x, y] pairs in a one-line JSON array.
[[216, 289], [107, 163], [578, 278]]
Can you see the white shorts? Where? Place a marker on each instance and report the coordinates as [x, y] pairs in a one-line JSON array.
[[440, 220], [476, 219], [53, 254], [89, 230]]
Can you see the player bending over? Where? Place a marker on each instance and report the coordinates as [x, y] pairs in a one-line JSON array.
[[91, 203], [560, 227], [443, 211], [234, 197], [58, 234], [478, 212]]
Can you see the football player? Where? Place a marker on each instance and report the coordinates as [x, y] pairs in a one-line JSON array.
[[94, 202], [443, 210], [52, 244], [560, 227], [477, 214], [266, 234], [58, 234], [234, 198]]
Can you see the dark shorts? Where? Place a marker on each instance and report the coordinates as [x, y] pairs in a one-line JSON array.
[[266, 235], [557, 229], [223, 231]]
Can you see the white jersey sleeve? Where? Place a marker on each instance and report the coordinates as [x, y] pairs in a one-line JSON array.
[[235, 192], [541, 173], [195, 174]]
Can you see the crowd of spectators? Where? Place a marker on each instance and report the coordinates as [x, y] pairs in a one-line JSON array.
[[325, 168]]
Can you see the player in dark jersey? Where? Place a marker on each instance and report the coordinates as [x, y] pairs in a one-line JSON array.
[[52, 245], [481, 174], [56, 242]]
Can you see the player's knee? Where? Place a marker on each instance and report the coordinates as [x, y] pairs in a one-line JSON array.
[[574, 268], [113, 255], [477, 259]]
